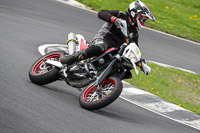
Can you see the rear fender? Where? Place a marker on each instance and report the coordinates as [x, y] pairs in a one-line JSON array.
[[82, 43]]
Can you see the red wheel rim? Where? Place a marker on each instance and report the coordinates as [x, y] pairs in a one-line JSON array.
[[37, 68], [91, 94]]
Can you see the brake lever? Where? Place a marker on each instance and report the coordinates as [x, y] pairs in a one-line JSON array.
[[123, 28]]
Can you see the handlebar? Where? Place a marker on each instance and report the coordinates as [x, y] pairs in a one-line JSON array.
[[123, 28]]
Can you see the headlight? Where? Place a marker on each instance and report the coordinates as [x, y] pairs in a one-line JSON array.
[[132, 56]]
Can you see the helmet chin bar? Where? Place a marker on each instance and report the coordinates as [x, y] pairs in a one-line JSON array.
[[139, 24]]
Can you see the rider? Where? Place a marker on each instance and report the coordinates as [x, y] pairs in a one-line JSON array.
[[110, 35]]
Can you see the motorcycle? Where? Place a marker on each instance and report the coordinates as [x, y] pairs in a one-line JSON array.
[[101, 75]]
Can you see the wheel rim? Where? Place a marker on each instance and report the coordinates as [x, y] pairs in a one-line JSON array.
[[92, 94], [40, 67]]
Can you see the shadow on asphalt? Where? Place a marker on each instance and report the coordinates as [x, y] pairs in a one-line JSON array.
[[119, 114]]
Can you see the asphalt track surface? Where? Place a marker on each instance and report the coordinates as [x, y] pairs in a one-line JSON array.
[[54, 108]]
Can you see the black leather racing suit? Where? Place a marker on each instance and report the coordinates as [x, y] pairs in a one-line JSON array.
[[109, 33]]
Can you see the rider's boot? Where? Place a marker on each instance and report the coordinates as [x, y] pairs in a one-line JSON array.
[[70, 59], [93, 50]]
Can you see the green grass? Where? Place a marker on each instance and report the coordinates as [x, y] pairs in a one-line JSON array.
[[176, 86], [178, 17]]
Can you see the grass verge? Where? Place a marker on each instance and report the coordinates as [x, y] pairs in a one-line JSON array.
[[176, 86], [178, 17]]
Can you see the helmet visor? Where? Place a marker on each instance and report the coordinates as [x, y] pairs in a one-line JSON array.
[[142, 18]]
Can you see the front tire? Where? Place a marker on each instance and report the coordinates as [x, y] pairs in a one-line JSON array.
[[109, 91], [41, 73]]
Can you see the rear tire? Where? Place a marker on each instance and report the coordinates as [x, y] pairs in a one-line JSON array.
[[110, 90], [41, 73]]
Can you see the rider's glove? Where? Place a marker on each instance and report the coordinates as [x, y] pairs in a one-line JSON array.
[[144, 67], [116, 21]]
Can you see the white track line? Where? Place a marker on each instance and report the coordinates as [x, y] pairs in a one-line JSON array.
[[173, 36], [170, 66], [160, 107], [194, 124]]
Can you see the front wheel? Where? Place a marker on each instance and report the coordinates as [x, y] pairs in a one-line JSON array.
[[92, 98], [41, 73]]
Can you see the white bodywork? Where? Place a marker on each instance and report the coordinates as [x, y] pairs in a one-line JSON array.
[[133, 53], [80, 38]]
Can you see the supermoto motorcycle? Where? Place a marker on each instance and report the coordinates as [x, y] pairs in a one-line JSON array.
[[100, 76]]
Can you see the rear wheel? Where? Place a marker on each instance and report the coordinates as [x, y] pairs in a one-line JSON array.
[[41, 73], [92, 98]]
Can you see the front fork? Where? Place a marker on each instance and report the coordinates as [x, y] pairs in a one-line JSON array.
[[107, 71]]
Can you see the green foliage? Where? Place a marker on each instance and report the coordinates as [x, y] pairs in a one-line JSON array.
[[179, 87], [178, 17]]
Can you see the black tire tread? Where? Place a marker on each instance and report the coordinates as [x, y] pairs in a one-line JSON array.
[[105, 101], [45, 78]]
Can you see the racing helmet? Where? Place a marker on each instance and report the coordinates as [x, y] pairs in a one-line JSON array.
[[139, 13]]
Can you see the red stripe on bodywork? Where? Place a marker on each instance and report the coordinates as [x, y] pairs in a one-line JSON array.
[[83, 45], [109, 50]]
